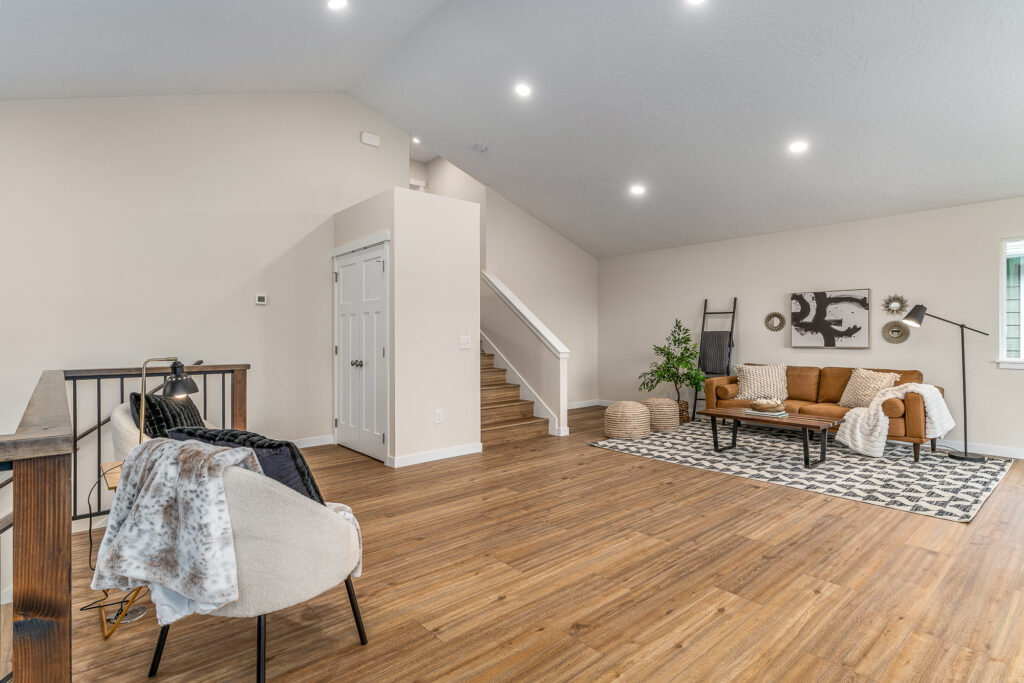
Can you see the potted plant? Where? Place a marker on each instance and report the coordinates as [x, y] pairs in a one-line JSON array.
[[677, 365]]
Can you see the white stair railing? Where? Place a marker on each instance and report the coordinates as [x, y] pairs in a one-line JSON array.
[[528, 349]]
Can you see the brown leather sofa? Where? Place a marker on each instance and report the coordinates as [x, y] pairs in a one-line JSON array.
[[816, 391]]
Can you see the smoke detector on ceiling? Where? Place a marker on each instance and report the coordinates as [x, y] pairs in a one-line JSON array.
[[479, 147]]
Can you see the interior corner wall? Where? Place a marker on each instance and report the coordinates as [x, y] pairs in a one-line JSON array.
[[145, 226], [436, 303], [947, 259], [556, 279]]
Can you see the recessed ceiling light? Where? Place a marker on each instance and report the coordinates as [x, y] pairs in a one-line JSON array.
[[337, 4], [415, 141], [523, 90], [798, 146], [637, 190]]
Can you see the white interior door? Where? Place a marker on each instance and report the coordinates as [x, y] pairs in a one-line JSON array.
[[361, 364]]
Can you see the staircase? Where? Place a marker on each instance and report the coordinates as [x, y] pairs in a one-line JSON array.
[[504, 417]]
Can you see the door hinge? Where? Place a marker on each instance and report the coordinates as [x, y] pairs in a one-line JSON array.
[[335, 276], [383, 353], [335, 350], [335, 422], [383, 438], [382, 265]]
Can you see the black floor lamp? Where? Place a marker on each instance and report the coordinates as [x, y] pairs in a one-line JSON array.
[[914, 319]]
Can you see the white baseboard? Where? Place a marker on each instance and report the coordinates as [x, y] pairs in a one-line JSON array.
[[590, 403], [429, 456], [557, 431], [309, 442], [984, 448]]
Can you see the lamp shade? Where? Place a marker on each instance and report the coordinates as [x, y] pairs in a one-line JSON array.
[[178, 384], [916, 316]]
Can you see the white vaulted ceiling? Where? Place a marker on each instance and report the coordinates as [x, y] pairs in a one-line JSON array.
[[906, 105]]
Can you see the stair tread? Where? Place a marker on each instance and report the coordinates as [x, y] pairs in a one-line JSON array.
[[506, 385], [508, 404], [517, 422]]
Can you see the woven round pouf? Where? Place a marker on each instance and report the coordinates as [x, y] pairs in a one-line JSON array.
[[664, 414], [627, 420]]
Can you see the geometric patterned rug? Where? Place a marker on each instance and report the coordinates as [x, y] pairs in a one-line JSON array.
[[937, 486]]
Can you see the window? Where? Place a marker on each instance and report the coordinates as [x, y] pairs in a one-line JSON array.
[[1010, 277]]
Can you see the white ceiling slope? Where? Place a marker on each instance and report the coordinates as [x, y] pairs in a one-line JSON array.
[[95, 48], [907, 105]]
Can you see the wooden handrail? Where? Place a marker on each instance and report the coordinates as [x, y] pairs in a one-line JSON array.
[[156, 370], [41, 452], [45, 427]]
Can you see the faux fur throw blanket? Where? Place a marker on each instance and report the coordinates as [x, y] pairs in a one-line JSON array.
[[169, 527], [865, 429]]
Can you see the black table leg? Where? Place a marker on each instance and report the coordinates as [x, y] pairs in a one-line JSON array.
[[823, 436], [714, 434]]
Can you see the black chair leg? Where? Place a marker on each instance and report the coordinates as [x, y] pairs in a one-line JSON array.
[[355, 610], [261, 648], [159, 651]]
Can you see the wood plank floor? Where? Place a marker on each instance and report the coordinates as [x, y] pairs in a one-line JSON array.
[[553, 560]]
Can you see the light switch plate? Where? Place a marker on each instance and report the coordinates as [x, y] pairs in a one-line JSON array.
[[466, 342]]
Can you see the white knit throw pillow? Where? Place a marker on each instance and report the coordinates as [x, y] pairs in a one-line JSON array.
[[864, 385], [762, 381]]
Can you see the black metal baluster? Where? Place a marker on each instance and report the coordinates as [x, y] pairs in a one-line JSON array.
[[74, 446], [99, 441], [122, 390], [223, 422], [205, 396]]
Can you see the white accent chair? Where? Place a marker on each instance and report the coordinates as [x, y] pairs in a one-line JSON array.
[[288, 548]]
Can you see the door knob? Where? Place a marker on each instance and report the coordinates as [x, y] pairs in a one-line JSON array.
[[352, 363], [359, 363]]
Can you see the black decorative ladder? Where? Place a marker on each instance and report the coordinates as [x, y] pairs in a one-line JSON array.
[[703, 361]]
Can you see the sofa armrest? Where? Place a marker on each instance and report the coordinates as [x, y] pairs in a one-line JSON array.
[[914, 416], [711, 388]]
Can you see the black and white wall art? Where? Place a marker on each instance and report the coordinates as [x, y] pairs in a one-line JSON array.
[[838, 319]]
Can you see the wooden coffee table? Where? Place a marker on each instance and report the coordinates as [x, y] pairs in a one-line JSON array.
[[805, 423]]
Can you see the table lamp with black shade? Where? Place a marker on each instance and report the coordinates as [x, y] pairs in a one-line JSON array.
[[915, 319]]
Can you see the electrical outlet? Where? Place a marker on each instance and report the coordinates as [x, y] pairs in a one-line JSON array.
[[438, 416], [465, 342], [261, 299]]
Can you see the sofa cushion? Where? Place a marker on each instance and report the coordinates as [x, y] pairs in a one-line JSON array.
[[864, 385], [832, 383], [727, 390], [734, 403], [802, 382], [894, 407], [824, 410]]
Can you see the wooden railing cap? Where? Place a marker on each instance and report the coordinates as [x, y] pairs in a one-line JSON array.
[[45, 427]]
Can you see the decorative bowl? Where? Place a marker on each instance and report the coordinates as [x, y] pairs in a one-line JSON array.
[[763, 405]]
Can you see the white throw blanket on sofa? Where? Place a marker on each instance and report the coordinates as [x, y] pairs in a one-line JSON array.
[[169, 527], [865, 429]]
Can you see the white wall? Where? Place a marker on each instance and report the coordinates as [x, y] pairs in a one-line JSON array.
[[947, 259], [556, 279], [417, 170], [437, 301], [435, 296], [138, 227]]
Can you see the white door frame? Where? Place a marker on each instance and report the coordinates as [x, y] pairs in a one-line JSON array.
[[377, 240]]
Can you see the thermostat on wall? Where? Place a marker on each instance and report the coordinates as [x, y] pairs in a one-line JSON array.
[[261, 299], [368, 138]]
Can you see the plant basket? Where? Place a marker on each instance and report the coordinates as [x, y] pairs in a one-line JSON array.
[[684, 412]]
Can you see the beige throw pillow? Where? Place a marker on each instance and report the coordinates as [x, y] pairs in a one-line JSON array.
[[762, 381], [864, 385]]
